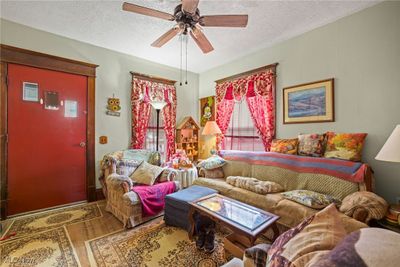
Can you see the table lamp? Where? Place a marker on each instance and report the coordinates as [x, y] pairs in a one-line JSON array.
[[211, 128], [391, 152]]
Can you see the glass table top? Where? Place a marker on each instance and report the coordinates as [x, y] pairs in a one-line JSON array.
[[235, 212]]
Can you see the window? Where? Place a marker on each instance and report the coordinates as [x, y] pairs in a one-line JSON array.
[[151, 135], [241, 133]]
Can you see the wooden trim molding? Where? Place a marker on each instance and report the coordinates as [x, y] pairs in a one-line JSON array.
[[247, 73], [25, 57], [152, 78], [9, 54]]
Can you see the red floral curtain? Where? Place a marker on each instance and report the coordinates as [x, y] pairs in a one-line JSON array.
[[140, 112], [259, 91], [143, 92], [169, 117]]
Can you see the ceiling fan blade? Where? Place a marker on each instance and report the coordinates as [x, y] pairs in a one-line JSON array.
[[224, 21], [166, 37], [190, 6], [146, 11], [201, 40]]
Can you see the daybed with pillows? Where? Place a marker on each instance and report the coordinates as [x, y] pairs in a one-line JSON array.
[[135, 185], [296, 180]]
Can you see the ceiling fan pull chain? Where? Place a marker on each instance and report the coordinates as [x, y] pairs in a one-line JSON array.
[[187, 38], [181, 59]]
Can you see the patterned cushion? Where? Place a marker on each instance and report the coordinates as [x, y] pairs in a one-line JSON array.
[[215, 173], [285, 146], [212, 162], [127, 167], [374, 205], [311, 145], [345, 145], [254, 185], [146, 173], [365, 247], [297, 246], [311, 199]]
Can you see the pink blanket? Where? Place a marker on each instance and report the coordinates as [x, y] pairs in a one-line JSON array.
[[153, 197]]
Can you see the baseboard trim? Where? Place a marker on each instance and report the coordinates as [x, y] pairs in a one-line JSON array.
[[99, 194]]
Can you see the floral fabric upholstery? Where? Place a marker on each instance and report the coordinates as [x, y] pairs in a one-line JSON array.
[[285, 146], [126, 166], [146, 174], [296, 247], [311, 199], [212, 162], [312, 145], [214, 173], [346, 146]]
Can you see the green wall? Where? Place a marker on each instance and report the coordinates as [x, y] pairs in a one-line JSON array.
[[362, 53]]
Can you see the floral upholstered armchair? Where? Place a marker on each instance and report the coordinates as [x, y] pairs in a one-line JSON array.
[[122, 201]]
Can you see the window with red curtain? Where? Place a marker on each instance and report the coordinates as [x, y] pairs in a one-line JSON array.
[[241, 133], [246, 105]]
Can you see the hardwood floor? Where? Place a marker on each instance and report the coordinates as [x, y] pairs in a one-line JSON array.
[[86, 230], [83, 231]]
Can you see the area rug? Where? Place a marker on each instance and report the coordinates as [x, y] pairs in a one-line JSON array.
[[49, 248], [47, 220], [153, 245]]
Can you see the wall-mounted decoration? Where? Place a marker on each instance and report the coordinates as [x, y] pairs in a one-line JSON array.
[[113, 107], [51, 101], [310, 102], [207, 110], [71, 109], [30, 92], [103, 140]]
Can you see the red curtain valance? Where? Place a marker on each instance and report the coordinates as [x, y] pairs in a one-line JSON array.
[[259, 91]]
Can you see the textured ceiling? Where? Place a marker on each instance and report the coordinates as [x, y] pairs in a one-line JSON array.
[[104, 24]]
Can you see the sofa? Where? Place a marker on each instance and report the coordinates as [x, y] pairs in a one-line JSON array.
[[121, 200], [319, 179]]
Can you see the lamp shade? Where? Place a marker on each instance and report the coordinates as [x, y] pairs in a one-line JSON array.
[[158, 104], [211, 128], [391, 149]]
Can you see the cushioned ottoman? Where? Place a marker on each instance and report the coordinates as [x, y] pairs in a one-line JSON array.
[[177, 205]]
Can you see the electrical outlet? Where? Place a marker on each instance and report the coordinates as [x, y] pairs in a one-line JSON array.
[[398, 200]]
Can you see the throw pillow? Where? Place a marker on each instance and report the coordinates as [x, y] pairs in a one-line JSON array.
[[126, 167], [311, 145], [155, 158], [364, 247], [212, 162], [285, 146], [297, 246], [215, 173], [374, 205], [254, 185], [146, 174], [311, 199], [346, 146]]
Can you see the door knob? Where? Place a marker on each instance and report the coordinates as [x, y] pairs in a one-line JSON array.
[[82, 144]]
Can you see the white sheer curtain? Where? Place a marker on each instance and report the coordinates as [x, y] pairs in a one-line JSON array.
[[241, 133]]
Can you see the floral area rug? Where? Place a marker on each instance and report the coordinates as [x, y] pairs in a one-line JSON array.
[[153, 245], [47, 220], [49, 248]]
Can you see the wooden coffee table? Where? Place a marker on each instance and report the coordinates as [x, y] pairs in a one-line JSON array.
[[245, 220]]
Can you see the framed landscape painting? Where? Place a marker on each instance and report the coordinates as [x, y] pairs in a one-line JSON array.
[[310, 102]]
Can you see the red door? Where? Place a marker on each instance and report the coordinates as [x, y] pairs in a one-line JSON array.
[[46, 147]]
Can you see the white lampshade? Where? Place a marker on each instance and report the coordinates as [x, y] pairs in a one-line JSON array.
[[391, 149], [211, 128], [158, 104]]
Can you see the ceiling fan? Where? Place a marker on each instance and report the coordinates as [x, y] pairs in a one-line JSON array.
[[188, 19]]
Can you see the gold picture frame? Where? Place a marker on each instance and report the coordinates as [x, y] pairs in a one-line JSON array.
[[207, 110], [309, 102]]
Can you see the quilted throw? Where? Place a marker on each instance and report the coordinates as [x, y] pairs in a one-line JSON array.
[[342, 169]]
